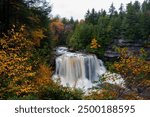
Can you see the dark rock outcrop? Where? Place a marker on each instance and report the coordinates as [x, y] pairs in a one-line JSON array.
[[134, 46]]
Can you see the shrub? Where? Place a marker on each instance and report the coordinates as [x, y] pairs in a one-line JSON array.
[[133, 67], [135, 70]]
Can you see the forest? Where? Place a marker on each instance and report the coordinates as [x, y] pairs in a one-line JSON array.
[[29, 36]]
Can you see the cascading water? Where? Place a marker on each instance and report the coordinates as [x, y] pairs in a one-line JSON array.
[[78, 70]]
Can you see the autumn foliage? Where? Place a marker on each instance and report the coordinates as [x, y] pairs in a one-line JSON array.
[[94, 44], [133, 66], [37, 36], [56, 28], [46, 88], [15, 68]]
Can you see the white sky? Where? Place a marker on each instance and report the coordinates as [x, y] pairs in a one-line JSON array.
[[78, 8]]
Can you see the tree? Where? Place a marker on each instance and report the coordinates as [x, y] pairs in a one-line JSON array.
[[102, 12], [11, 13], [94, 44], [132, 23], [112, 10], [92, 17], [104, 31], [121, 12], [137, 6], [145, 20], [57, 28], [82, 36], [20, 12], [16, 71]]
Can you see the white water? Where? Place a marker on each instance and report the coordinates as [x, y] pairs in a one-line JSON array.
[[78, 70]]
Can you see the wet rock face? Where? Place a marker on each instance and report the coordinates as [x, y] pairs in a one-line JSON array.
[[128, 43], [61, 50], [110, 53]]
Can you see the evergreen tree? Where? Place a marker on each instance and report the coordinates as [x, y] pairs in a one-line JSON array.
[[145, 20], [112, 10], [92, 17], [82, 36], [132, 22]]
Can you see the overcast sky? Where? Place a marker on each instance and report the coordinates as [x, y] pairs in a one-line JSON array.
[[78, 8]]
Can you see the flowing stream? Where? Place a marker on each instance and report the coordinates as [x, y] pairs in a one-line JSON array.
[[77, 69]]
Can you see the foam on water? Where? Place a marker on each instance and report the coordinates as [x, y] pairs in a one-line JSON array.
[[78, 70]]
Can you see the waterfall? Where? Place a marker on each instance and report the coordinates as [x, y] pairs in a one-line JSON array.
[[78, 70]]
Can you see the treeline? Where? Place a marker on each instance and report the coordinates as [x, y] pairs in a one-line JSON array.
[[130, 23]]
